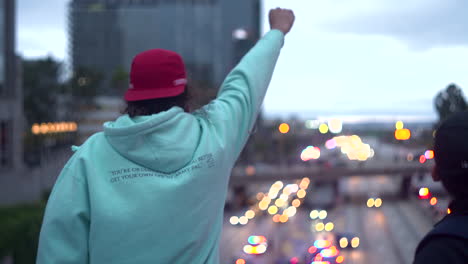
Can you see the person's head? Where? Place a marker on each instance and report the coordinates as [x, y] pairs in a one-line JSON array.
[[158, 82], [451, 155]]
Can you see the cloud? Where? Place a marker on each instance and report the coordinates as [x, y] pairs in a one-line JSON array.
[[45, 13], [421, 24], [42, 27]]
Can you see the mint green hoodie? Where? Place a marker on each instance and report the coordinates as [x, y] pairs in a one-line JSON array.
[[151, 189]]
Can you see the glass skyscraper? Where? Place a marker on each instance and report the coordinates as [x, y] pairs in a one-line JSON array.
[[105, 35]]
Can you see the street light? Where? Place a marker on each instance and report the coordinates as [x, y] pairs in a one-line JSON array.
[[402, 134], [240, 34], [283, 128]]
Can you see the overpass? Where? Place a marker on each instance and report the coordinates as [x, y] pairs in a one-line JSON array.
[[241, 176]]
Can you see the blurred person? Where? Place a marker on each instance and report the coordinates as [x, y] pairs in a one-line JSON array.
[[151, 188], [447, 242]]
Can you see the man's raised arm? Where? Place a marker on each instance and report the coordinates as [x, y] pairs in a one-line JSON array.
[[236, 107]]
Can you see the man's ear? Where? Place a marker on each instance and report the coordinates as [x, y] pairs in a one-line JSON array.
[[435, 174]]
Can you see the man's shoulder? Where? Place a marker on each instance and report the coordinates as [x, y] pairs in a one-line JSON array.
[[443, 249], [441, 240], [447, 240], [84, 149]]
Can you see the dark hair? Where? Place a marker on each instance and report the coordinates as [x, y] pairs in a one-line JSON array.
[[455, 182], [154, 106], [451, 154]]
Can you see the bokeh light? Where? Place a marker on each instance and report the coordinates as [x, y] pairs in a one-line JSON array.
[[319, 227], [312, 124], [248, 249], [378, 202], [280, 202], [283, 128], [234, 220], [301, 193], [284, 218], [276, 218], [296, 203], [261, 249], [399, 125], [429, 154], [243, 220], [255, 240], [355, 242], [329, 226], [330, 144], [263, 205], [250, 214], [272, 210], [402, 134], [343, 242], [250, 170], [329, 252], [422, 159], [322, 243], [335, 125], [310, 153], [240, 261], [323, 128], [59, 127], [312, 249], [260, 196], [294, 260], [314, 214], [322, 214], [290, 211], [304, 183], [354, 147], [424, 193]]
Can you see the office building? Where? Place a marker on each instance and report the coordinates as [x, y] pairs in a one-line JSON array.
[[211, 35], [11, 101]]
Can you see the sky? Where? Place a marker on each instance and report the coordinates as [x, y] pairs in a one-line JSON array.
[[382, 58]]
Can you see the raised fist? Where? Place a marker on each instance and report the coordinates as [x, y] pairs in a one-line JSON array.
[[282, 19]]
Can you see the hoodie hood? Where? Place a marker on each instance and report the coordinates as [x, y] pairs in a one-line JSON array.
[[163, 142]]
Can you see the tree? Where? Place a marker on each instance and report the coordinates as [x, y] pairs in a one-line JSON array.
[[85, 84], [450, 101], [120, 81], [41, 87]]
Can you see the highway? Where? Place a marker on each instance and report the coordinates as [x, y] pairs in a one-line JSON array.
[[388, 234]]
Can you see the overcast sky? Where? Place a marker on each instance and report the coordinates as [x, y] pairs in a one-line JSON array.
[[343, 57]]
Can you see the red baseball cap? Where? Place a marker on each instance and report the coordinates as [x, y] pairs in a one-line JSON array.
[[156, 73]]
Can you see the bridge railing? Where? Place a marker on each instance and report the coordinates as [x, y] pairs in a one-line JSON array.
[[272, 173]]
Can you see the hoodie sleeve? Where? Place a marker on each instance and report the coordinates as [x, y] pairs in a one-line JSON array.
[[234, 111], [65, 228]]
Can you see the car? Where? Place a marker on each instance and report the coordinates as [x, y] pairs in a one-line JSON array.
[[257, 245], [347, 241], [324, 196], [323, 251]]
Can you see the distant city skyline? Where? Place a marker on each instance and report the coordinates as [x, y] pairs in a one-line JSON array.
[[353, 58]]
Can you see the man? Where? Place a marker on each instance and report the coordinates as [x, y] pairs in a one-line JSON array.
[[151, 188], [448, 241]]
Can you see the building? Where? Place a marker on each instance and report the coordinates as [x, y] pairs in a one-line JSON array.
[[211, 35], [106, 108], [17, 185], [11, 101]]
